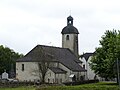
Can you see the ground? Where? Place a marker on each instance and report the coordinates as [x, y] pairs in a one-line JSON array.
[[94, 86]]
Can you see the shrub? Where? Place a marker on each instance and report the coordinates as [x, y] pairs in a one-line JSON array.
[[81, 82]]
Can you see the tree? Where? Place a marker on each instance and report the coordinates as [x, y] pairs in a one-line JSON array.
[[43, 61], [104, 60], [7, 59]]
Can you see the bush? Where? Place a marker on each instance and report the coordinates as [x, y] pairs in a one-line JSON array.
[[81, 82]]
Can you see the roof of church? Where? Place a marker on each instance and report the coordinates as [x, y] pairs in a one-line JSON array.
[[57, 70], [70, 18], [69, 29], [61, 55], [87, 55]]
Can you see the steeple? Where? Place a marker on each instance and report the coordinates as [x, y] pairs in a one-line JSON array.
[[70, 20], [70, 36], [70, 29]]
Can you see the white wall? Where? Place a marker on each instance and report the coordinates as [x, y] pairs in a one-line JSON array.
[[90, 72], [51, 76], [72, 44], [66, 69], [84, 62], [69, 72], [68, 43], [30, 73]]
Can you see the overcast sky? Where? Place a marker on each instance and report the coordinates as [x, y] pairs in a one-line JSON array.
[[27, 23]]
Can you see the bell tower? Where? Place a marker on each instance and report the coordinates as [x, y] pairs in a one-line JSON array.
[[70, 36]]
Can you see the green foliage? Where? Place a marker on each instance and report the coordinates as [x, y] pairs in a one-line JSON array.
[[7, 59], [97, 86], [104, 61]]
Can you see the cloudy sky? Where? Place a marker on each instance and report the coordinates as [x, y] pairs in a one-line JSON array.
[[26, 23]]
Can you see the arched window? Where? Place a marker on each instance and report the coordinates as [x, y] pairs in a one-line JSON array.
[[70, 22], [67, 37]]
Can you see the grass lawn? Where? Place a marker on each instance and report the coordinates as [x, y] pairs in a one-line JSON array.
[[94, 86], [19, 88]]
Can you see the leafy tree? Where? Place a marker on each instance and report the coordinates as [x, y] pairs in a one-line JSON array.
[[7, 59], [104, 61]]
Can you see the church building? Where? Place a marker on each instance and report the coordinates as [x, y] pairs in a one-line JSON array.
[[64, 66]]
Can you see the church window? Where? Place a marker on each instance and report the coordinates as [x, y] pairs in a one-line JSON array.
[[84, 66], [69, 22], [67, 37], [22, 67]]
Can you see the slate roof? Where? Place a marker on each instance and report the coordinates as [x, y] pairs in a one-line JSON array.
[[61, 55], [57, 70], [70, 18], [87, 55], [70, 29]]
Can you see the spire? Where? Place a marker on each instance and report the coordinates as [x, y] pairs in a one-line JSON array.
[[70, 20], [69, 29]]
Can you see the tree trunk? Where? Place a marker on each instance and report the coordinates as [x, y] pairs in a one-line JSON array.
[[43, 79]]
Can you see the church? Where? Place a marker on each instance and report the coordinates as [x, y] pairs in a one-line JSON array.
[[64, 66]]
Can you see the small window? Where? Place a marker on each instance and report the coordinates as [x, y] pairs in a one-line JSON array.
[[84, 66], [70, 22], [67, 37], [22, 67]]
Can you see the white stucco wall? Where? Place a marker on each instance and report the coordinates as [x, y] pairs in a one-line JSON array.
[[68, 43], [30, 73], [51, 76], [84, 62], [60, 78], [69, 72], [72, 43], [90, 72], [54, 78]]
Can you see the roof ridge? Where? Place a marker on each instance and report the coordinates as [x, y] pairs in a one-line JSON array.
[[51, 46]]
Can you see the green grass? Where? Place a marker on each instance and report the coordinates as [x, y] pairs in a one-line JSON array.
[[19, 88], [94, 86]]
